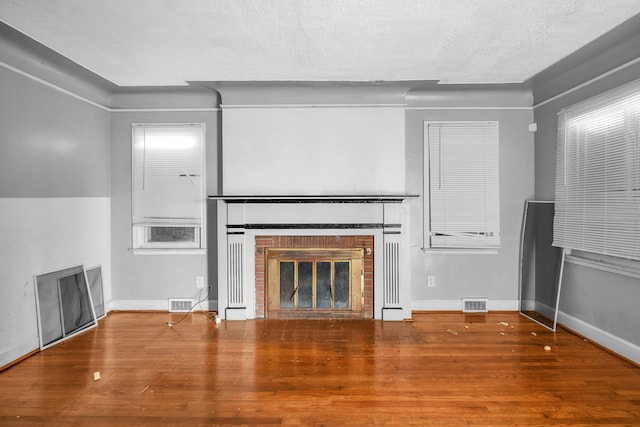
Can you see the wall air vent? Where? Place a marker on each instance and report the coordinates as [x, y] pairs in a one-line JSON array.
[[474, 305], [180, 305]]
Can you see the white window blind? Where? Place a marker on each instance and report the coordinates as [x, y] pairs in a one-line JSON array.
[[464, 207], [167, 179], [598, 175]]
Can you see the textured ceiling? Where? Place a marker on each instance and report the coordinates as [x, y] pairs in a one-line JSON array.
[[170, 42]]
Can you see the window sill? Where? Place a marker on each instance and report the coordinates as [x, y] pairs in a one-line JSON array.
[[609, 267], [456, 251], [189, 251]]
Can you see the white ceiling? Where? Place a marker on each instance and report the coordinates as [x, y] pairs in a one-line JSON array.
[[171, 42]]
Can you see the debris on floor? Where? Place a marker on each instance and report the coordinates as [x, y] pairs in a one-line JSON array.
[[503, 334], [547, 348], [96, 375], [504, 323], [534, 334], [452, 332]]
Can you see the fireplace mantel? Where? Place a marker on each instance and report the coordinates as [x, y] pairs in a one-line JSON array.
[[244, 221], [383, 198]]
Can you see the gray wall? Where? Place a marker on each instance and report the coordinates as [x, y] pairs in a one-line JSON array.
[[63, 202], [597, 304], [52, 145], [54, 197], [494, 276], [146, 281]]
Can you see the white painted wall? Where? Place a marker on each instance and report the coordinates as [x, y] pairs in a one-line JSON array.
[[319, 150], [40, 235], [54, 197]]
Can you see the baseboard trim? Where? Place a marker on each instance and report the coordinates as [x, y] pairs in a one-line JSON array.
[[138, 305], [608, 341], [154, 305], [19, 359], [395, 314], [456, 305]]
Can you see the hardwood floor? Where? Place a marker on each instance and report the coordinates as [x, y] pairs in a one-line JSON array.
[[441, 369]]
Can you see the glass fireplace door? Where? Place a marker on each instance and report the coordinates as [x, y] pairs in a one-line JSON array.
[[321, 285], [314, 282]]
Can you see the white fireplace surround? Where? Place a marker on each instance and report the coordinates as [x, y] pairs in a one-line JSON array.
[[242, 218]]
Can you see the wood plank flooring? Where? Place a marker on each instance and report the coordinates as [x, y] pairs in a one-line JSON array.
[[441, 369]]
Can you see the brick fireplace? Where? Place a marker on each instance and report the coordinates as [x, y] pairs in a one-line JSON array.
[[251, 227]]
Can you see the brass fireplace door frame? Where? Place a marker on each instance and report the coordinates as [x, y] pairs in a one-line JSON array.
[[355, 257]]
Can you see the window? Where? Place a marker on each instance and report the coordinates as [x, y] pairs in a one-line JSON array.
[[598, 175], [462, 208], [168, 191]]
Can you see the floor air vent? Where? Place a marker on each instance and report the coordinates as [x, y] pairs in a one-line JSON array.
[[180, 305], [474, 305]]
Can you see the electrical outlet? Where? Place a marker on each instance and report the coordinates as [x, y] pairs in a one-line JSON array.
[[199, 282], [431, 281]]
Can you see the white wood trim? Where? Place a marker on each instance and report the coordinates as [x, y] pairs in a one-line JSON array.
[[588, 82], [456, 305], [616, 344], [603, 266], [409, 108], [418, 108], [163, 110], [138, 304], [147, 251], [453, 251], [436, 215], [250, 106], [98, 105], [151, 304], [53, 86]]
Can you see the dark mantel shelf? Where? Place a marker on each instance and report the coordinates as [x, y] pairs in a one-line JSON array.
[[382, 198]]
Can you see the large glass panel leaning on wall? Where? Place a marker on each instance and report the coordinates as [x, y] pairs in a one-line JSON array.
[[94, 278], [540, 265], [64, 304]]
